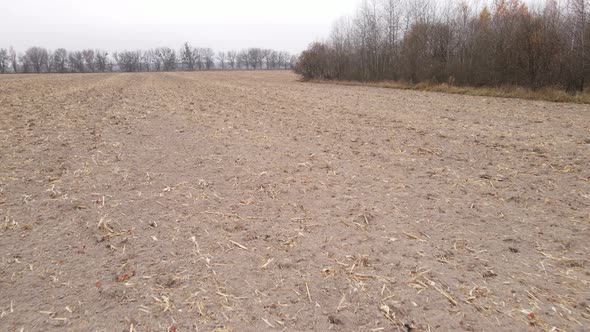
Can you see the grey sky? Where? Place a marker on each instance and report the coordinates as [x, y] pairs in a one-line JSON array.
[[118, 24]]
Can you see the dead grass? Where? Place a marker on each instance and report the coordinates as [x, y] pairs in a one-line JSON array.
[[546, 94]]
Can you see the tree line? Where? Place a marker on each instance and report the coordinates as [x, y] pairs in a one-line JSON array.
[[40, 60], [506, 43]]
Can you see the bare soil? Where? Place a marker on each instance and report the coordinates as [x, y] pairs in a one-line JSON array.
[[249, 201]]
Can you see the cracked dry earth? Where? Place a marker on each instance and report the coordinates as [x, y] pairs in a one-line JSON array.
[[249, 201]]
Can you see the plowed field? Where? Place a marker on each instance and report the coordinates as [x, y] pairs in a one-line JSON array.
[[249, 201]]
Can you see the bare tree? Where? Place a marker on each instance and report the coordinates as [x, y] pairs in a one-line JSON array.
[[148, 59], [13, 59], [102, 61], [424, 40], [255, 57], [76, 61], [37, 59], [221, 56], [243, 59], [232, 58], [209, 57], [317, 62], [188, 56], [200, 58], [3, 60], [26, 65], [59, 60], [128, 61], [154, 60], [265, 57], [293, 61], [283, 59], [579, 9], [167, 57], [392, 10], [272, 60], [88, 56]]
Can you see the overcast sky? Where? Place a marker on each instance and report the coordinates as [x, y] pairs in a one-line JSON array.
[[130, 24]]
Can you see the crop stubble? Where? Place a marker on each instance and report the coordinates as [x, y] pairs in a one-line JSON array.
[[245, 201]]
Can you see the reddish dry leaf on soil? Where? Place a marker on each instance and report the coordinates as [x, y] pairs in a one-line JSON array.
[[123, 277]]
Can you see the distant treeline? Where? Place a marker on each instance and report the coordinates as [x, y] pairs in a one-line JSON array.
[[507, 43], [41, 60]]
